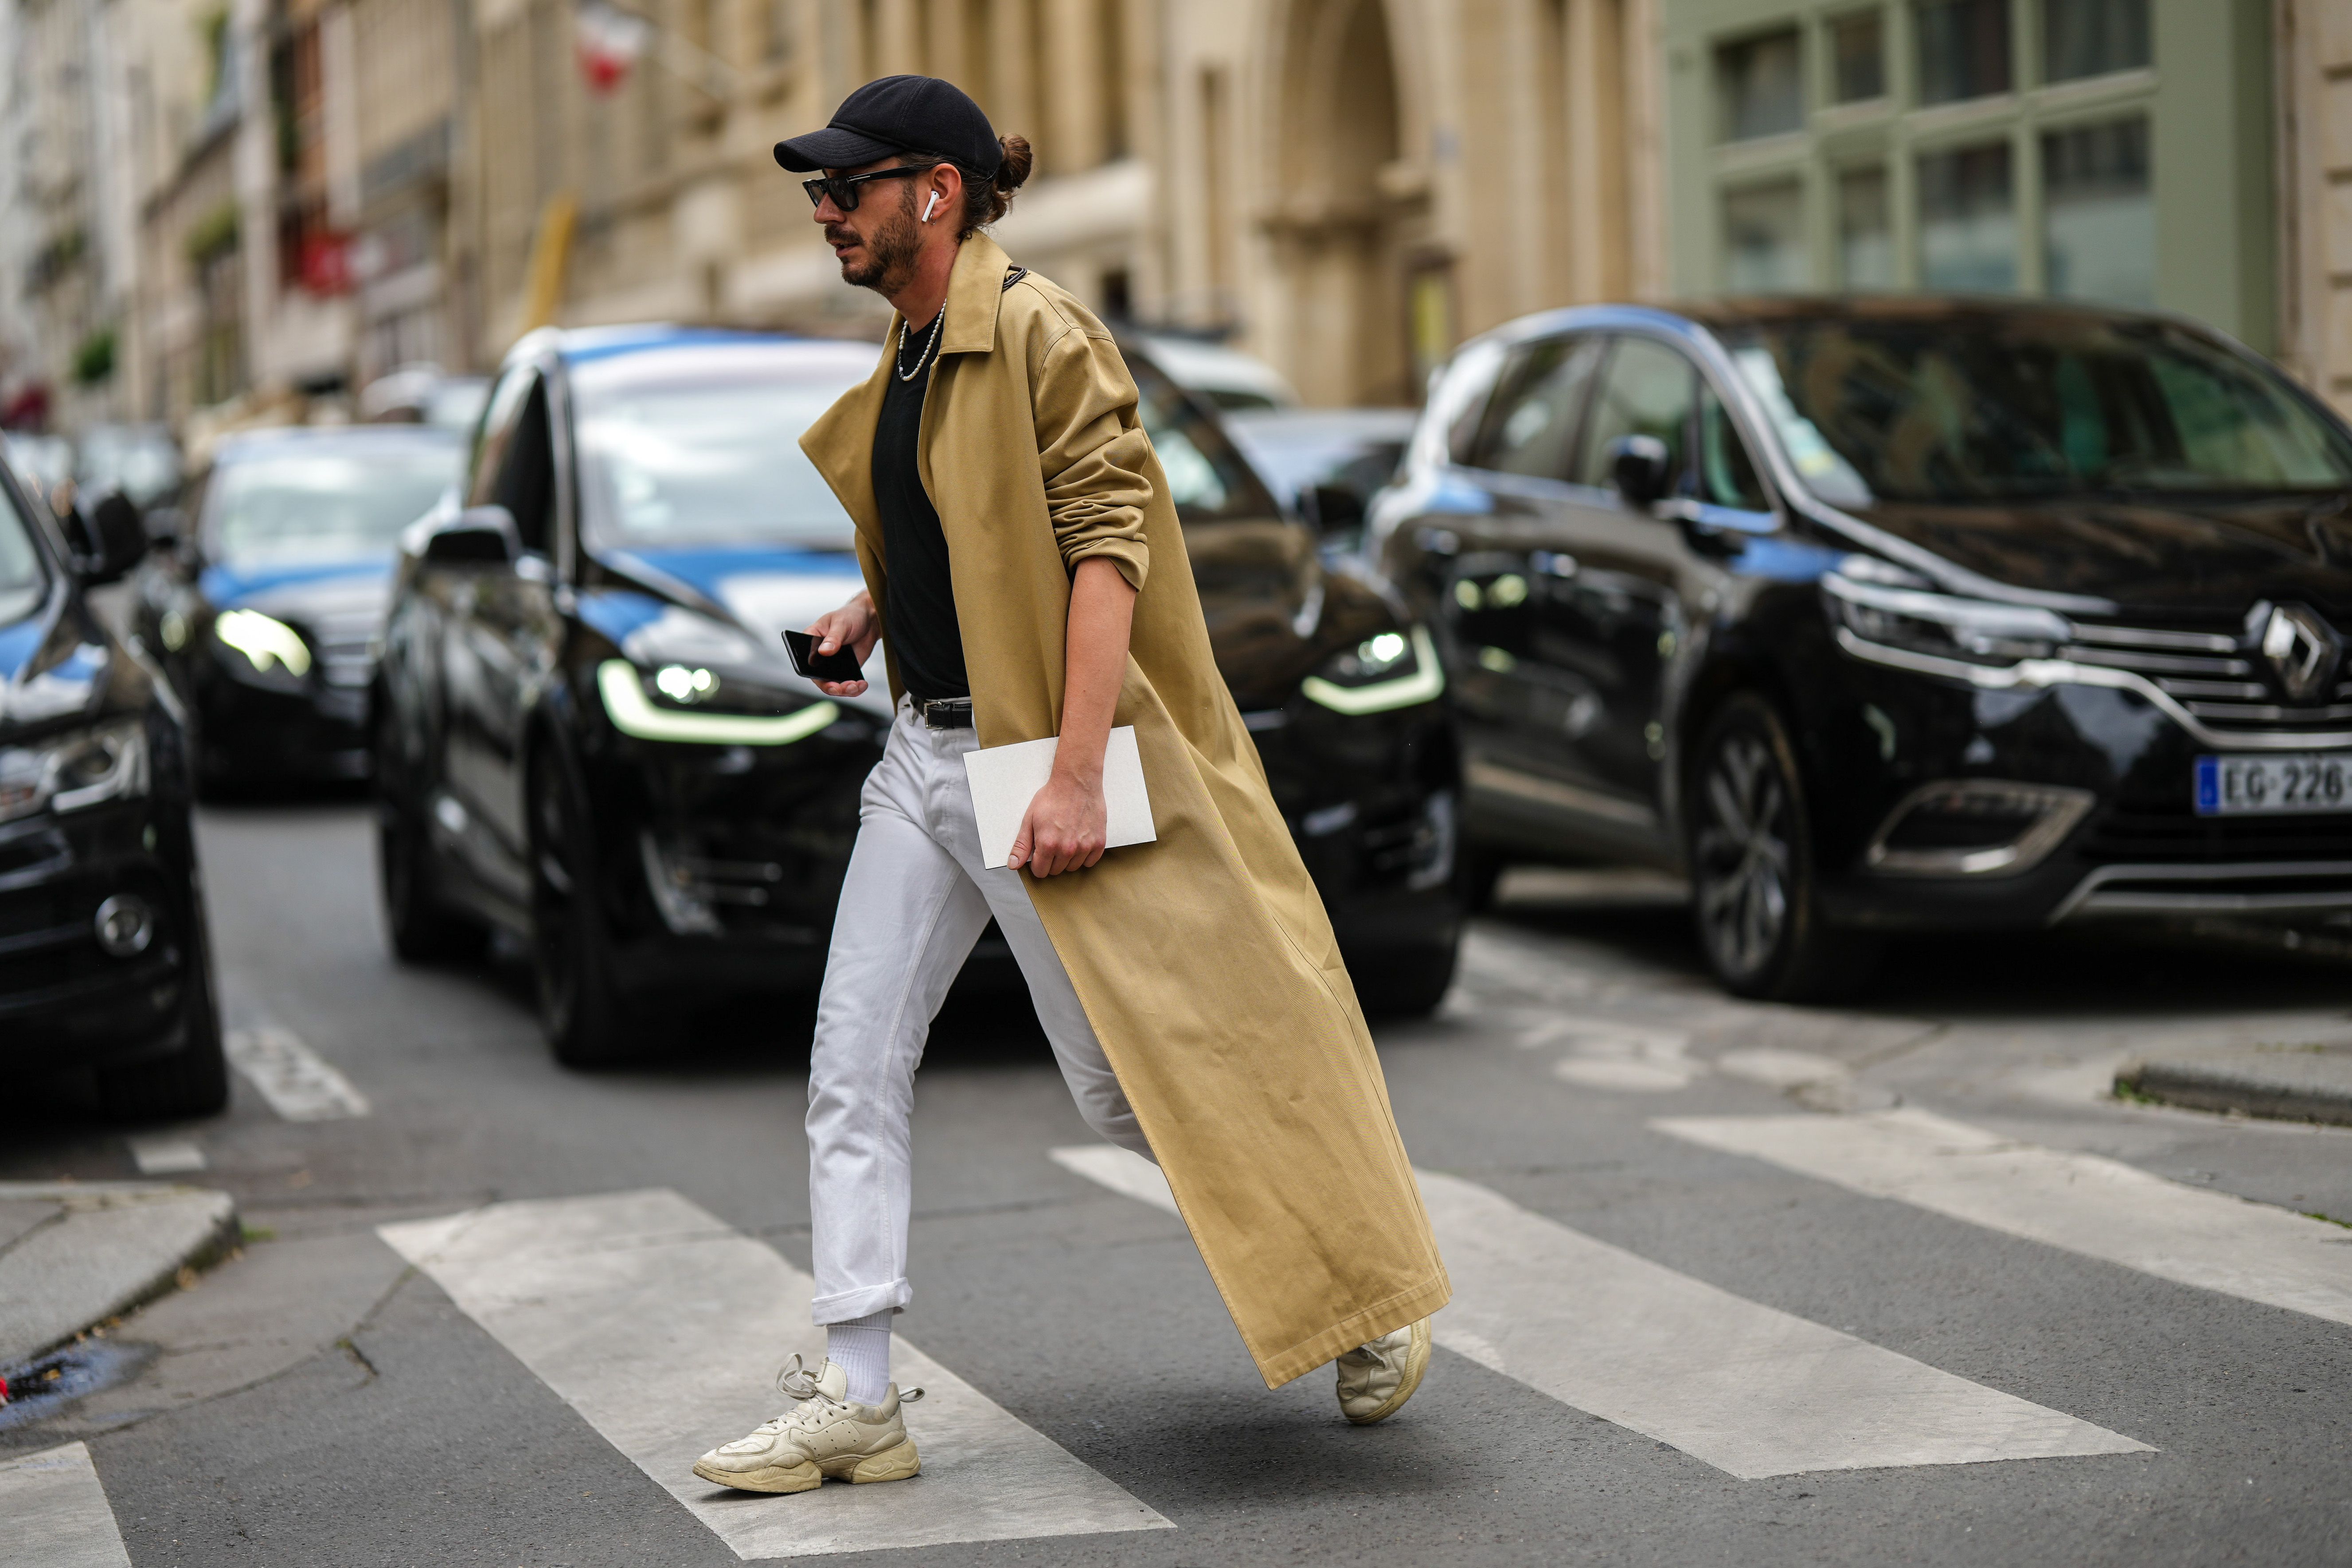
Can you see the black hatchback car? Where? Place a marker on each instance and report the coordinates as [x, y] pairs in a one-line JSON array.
[[587, 731], [1895, 613], [105, 967]]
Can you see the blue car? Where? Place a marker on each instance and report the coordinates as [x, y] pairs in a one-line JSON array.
[[587, 732]]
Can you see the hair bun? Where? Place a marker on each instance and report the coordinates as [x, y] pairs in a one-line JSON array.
[[1016, 164]]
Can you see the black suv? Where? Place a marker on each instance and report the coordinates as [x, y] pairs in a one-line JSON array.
[[104, 965], [1891, 613]]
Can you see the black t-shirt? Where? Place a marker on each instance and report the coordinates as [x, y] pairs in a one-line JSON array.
[[918, 605]]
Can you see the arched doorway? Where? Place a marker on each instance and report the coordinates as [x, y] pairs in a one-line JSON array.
[[1338, 224]]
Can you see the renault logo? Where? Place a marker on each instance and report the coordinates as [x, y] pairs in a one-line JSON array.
[[2302, 649]]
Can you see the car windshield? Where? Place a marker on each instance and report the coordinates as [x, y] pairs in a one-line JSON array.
[[710, 454], [1206, 478], [2029, 406], [329, 503], [23, 580]]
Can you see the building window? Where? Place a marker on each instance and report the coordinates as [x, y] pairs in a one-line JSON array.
[[2098, 227], [1963, 49], [1858, 56], [2092, 37], [1865, 230], [1764, 239], [1967, 226], [1762, 86]]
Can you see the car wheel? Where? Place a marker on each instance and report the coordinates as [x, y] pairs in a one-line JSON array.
[[1405, 983], [1755, 894], [423, 929], [1482, 869], [193, 1080], [581, 1008]]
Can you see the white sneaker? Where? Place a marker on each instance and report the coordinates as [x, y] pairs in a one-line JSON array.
[[1376, 1378], [822, 1434]]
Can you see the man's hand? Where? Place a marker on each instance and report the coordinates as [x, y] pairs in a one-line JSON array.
[[854, 625], [1064, 827]]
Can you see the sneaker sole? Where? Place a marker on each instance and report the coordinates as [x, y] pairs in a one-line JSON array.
[[890, 1465], [1416, 1363], [897, 1464], [803, 1477]]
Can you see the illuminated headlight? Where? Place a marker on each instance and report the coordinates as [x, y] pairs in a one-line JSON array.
[[1876, 611], [70, 772], [1393, 670], [267, 642], [630, 701]]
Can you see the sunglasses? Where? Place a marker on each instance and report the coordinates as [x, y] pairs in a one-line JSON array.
[[842, 188]]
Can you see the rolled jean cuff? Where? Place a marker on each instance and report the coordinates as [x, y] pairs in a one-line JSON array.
[[847, 1306]]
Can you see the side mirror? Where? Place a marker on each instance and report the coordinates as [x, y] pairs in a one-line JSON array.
[[1638, 465], [114, 540], [1332, 509], [165, 525], [478, 536]]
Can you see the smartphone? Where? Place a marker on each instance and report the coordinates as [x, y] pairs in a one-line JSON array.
[[839, 665]]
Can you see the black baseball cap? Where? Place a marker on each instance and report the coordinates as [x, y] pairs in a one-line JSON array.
[[898, 114]]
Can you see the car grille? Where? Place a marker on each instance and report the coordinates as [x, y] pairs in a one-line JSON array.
[[2214, 674], [2180, 838], [345, 646]]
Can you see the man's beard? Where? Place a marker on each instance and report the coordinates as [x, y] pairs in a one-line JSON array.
[[890, 255]]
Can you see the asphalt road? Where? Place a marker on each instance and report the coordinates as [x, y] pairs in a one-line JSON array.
[[1890, 1283]]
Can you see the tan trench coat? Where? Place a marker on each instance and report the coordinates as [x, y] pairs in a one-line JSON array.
[[1204, 961]]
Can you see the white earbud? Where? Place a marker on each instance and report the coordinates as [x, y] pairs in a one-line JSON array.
[[929, 204]]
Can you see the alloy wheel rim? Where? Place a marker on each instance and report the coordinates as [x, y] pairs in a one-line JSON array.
[[1742, 857]]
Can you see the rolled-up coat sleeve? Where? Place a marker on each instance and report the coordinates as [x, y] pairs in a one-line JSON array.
[[1093, 454]]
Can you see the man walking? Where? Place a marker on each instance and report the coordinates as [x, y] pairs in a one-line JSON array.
[[1026, 575]]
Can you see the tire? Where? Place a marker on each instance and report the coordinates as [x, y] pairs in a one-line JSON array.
[[192, 1081], [1405, 983], [1482, 869], [1755, 888], [588, 1019], [422, 928]]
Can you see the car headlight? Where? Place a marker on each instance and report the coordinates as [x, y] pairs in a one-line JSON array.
[[267, 642], [652, 705], [1392, 669], [1874, 604], [70, 772]]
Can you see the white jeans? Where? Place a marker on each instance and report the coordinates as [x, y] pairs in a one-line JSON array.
[[915, 899]]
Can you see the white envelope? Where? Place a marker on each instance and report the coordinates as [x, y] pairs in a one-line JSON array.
[[1005, 779]]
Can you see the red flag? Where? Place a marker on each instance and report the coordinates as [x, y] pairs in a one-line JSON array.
[[607, 42]]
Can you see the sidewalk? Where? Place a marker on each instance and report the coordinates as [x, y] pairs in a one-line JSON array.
[[2288, 1081], [77, 1253]]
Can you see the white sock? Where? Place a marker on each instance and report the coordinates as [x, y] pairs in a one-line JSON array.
[[861, 1349]]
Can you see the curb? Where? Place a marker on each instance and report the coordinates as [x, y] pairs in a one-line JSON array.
[[2267, 1085], [105, 1249]]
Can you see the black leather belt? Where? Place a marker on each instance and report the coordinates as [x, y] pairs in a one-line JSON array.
[[943, 713]]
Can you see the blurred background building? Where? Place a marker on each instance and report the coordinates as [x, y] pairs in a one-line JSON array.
[[226, 211]]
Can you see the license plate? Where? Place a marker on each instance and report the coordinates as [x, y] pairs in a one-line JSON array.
[[2291, 781]]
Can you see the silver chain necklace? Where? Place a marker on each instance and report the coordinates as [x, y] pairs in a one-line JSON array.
[[929, 343]]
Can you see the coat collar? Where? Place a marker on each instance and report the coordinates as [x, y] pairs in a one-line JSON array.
[[841, 442], [975, 289]]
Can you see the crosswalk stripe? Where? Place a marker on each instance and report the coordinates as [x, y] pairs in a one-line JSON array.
[[54, 1512], [1748, 1389], [291, 1076], [2083, 1203], [664, 1329]]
